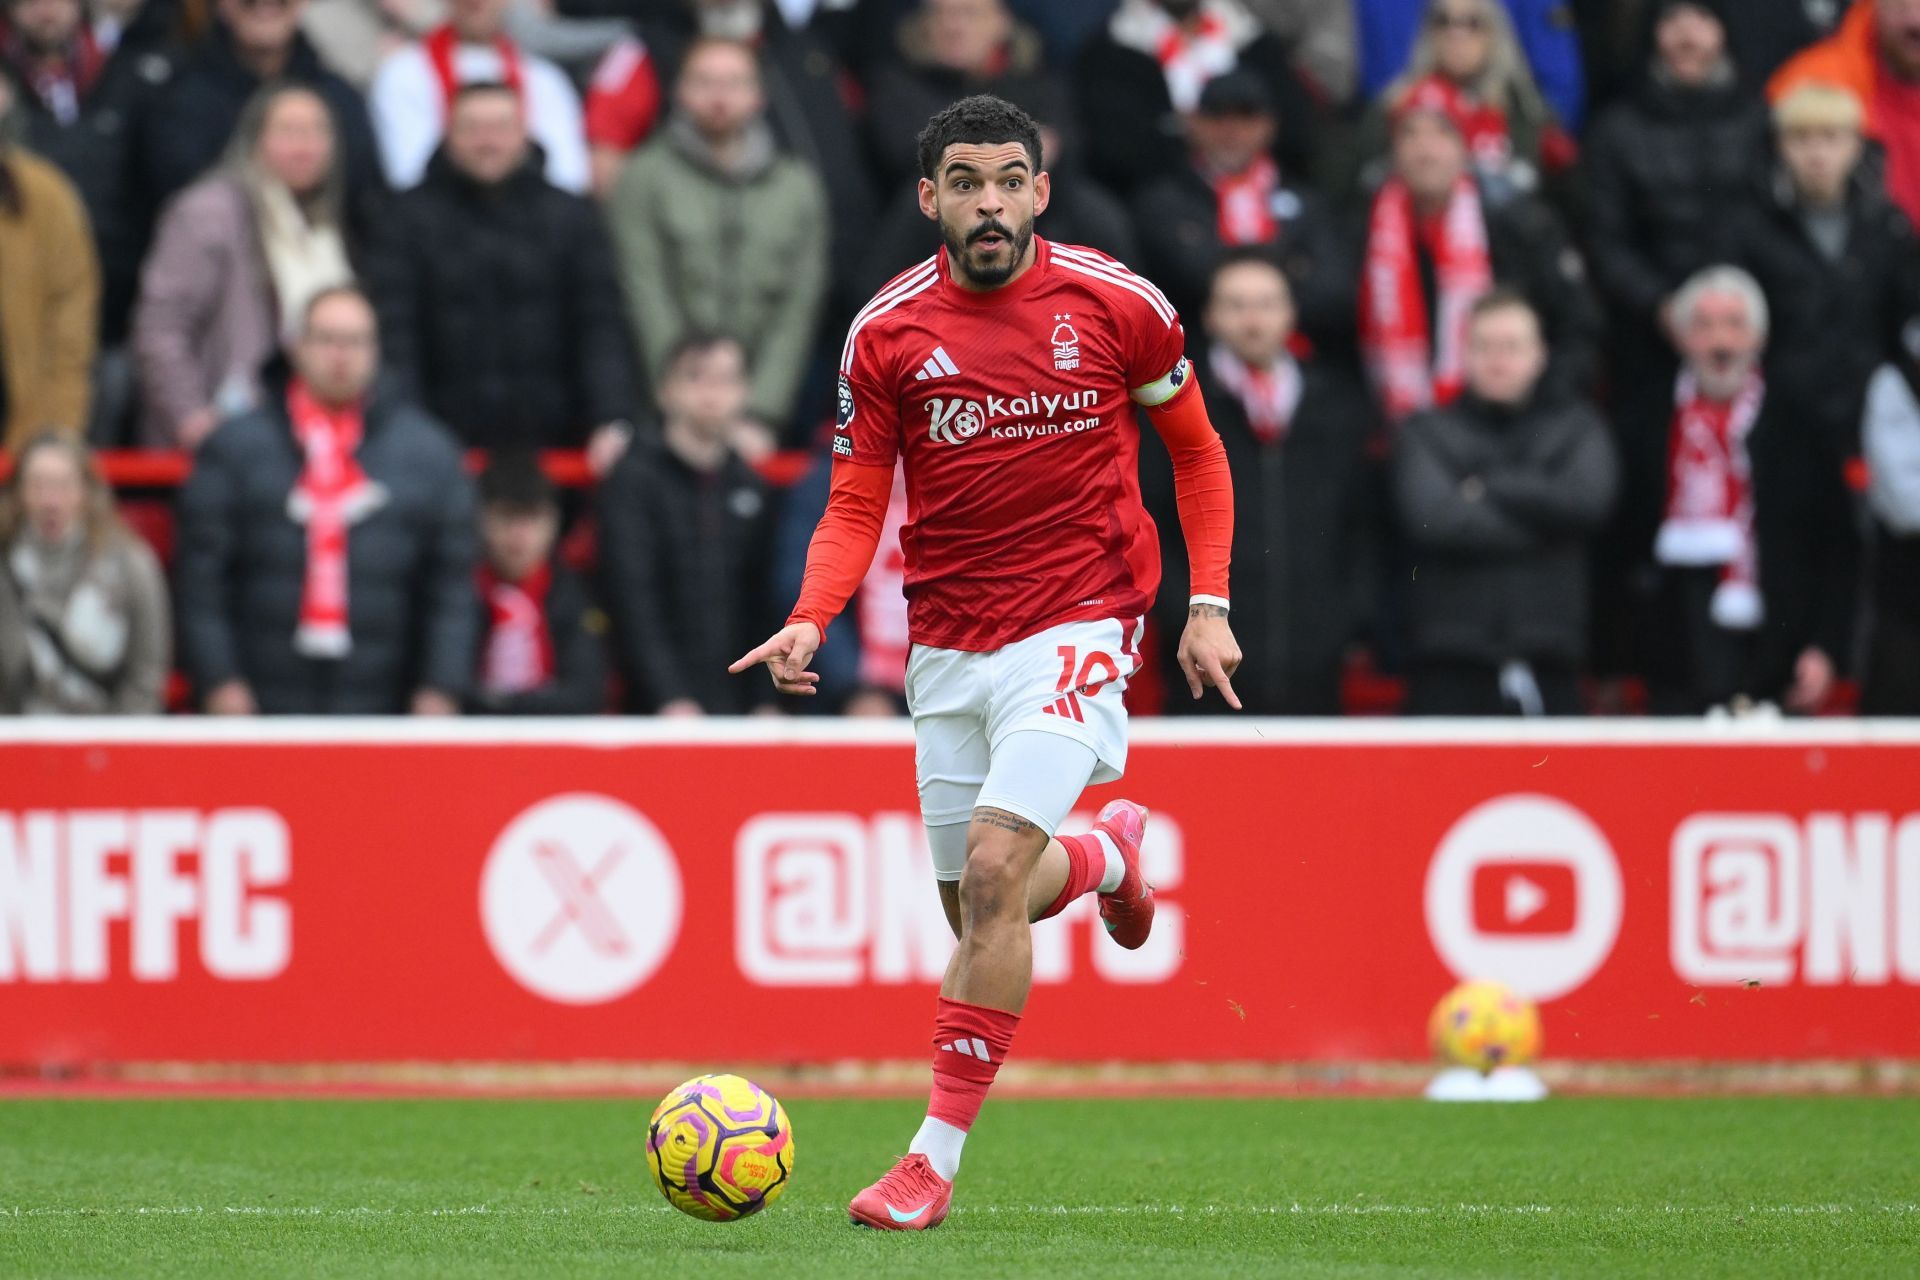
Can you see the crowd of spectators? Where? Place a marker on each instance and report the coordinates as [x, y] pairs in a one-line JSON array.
[[1566, 352]]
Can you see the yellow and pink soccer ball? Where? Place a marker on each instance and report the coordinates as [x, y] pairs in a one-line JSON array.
[[1485, 1025], [720, 1148]]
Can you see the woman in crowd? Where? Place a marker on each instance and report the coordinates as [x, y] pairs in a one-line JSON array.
[[1513, 135], [234, 262], [84, 627]]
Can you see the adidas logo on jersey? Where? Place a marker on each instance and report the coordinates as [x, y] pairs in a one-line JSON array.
[[938, 365], [973, 1048]]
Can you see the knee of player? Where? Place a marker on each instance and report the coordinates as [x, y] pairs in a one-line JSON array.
[[993, 882]]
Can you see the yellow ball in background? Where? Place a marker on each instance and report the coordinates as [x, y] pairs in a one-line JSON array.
[[1484, 1025]]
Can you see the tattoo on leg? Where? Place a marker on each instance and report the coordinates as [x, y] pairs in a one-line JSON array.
[[1002, 819]]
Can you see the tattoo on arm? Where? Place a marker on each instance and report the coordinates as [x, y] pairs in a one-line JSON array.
[[1005, 821], [1205, 611]]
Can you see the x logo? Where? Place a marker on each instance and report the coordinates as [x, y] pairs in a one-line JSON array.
[[579, 896]]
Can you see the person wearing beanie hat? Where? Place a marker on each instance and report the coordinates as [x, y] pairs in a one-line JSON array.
[[1435, 244], [1669, 170]]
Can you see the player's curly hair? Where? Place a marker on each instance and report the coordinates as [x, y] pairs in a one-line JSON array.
[[982, 118]]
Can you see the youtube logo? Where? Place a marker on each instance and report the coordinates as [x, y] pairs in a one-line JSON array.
[[1525, 890], [1523, 897]]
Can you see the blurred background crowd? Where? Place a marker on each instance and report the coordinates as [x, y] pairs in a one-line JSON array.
[[1567, 353]]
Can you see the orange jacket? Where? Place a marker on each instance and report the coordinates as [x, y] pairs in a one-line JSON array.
[[1848, 58]]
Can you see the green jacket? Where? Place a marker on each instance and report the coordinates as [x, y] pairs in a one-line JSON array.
[[743, 253]]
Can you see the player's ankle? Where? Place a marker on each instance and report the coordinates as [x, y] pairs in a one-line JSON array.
[[941, 1143]]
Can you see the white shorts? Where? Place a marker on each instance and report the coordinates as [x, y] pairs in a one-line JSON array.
[[1068, 681]]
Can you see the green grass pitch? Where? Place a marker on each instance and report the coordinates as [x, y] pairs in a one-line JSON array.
[[1335, 1187]]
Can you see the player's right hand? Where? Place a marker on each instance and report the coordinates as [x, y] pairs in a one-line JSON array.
[[787, 653]]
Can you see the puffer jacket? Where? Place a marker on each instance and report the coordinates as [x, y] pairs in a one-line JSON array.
[[1667, 170], [499, 309], [1497, 505], [241, 568]]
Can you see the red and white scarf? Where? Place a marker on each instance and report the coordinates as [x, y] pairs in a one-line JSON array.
[[1709, 517], [1270, 396], [1245, 203], [442, 45], [518, 654], [1415, 362], [331, 493], [62, 83], [1189, 56]]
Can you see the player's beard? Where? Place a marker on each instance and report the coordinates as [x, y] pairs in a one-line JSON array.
[[987, 275]]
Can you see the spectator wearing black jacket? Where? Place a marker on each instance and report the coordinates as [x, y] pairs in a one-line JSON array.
[[685, 544], [325, 546], [1757, 552], [1890, 684], [1498, 495], [1296, 432], [1668, 171], [1137, 78], [1229, 191], [1836, 258], [540, 651], [80, 103], [254, 43], [498, 297]]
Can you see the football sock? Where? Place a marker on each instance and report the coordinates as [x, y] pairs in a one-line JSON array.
[[969, 1044], [940, 1143], [1116, 865], [1092, 860]]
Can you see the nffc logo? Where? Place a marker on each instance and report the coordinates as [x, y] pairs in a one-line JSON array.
[[580, 899], [86, 894], [844, 899], [1759, 896], [1525, 890]]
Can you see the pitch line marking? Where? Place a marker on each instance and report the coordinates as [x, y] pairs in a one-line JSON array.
[[1063, 1210]]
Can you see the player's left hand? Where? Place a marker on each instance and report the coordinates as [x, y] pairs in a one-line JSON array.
[[1209, 655]]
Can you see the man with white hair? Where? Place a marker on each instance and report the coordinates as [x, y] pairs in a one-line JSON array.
[[1755, 550]]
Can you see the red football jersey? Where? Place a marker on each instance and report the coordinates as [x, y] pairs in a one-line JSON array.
[[1012, 413]]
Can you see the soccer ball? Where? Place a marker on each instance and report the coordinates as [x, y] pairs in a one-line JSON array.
[[1484, 1025], [720, 1148]]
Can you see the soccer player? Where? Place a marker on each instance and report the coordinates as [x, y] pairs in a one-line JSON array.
[[1001, 373]]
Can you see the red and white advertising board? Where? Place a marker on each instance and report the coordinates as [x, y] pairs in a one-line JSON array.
[[377, 890]]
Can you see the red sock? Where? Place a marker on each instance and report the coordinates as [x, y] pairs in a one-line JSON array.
[[1086, 867], [969, 1044]]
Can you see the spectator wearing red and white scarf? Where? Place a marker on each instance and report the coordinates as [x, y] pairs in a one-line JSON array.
[[541, 636], [1435, 246], [1295, 429], [1231, 193], [414, 88], [1756, 547], [325, 545], [1138, 80]]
